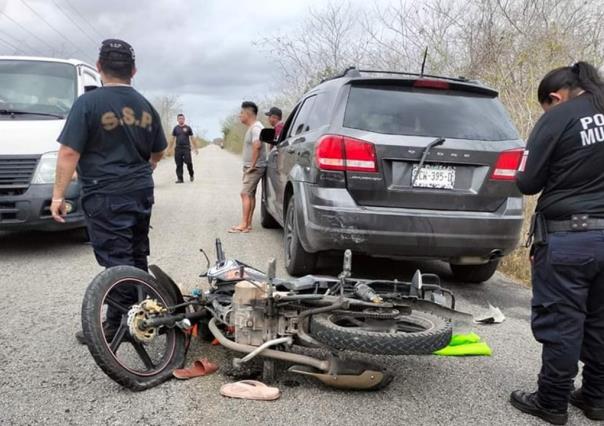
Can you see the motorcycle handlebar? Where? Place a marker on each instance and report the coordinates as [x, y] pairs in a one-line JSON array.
[[219, 252]]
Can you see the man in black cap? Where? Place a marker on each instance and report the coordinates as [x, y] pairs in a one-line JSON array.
[[274, 118], [114, 137], [182, 139]]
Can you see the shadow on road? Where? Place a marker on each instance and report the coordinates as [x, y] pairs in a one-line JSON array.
[[32, 242], [498, 291], [379, 268]]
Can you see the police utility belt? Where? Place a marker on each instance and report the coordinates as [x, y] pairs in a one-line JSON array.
[[540, 227]]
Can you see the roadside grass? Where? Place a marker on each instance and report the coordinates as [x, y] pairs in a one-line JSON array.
[[233, 140]]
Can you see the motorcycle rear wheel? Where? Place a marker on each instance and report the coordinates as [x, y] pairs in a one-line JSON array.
[[128, 361], [419, 333]]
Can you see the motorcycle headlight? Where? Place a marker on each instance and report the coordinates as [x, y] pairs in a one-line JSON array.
[[45, 172]]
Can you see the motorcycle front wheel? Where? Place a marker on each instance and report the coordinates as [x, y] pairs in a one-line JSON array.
[[116, 301], [418, 333]]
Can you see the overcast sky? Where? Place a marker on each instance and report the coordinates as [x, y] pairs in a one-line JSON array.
[[199, 50]]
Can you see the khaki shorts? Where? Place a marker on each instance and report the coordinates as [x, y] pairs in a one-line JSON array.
[[251, 180]]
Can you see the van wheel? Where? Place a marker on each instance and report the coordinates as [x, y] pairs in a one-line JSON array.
[[474, 273], [298, 261], [81, 235]]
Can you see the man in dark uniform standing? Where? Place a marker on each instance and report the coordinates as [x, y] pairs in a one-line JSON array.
[[564, 161], [115, 138], [182, 137]]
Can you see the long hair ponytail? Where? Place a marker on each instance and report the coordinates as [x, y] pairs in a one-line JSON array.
[[581, 75]]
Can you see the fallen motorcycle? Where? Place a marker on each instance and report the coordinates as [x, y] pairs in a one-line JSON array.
[[259, 315]]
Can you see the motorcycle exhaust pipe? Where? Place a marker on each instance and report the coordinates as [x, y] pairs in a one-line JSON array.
[[268, 353]]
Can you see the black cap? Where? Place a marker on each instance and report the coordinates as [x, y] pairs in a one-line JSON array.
[[116, 50], [274, 111]]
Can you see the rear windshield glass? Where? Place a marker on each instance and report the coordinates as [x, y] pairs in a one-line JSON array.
[[428, 112]]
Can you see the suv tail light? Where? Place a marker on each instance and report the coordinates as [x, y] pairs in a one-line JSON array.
[[507, 164], [341, 153], [431, 84]]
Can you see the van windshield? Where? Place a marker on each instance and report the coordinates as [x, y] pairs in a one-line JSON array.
[[36, 87], [427, 112]]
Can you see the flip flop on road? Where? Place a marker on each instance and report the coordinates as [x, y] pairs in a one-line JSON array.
[[250, 389], [201, 367], [238, 230]]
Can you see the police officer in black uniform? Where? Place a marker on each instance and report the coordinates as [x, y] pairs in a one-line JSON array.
[[183, 139], [564, 160], [115, 138]]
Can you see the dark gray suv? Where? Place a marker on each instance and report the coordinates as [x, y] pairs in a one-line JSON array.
[[396, 165]]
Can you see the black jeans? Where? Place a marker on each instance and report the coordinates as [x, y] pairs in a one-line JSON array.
[[568, 315], [183, 155], [118, 226]]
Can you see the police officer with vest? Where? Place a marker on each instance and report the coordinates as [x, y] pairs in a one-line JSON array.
[[564, 160], [114, 137]]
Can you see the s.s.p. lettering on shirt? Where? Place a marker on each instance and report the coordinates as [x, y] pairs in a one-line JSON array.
[[111, 121], [593, 129]]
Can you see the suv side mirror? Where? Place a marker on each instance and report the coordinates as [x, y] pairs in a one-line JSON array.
[[268, 136]]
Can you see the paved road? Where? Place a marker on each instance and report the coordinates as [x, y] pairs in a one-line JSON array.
[[47, 378]]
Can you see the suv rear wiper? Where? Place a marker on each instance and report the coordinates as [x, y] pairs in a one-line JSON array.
[[435, 142], [45, 114]]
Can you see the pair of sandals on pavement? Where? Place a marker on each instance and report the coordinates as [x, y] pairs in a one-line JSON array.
[[244, 389], [239, 230]]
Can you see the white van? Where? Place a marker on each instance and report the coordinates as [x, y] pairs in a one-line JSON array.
[[36, 95]]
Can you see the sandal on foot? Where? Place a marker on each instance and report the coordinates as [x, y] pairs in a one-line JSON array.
[[235, 230]]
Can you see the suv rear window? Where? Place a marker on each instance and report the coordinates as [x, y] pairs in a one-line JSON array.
[[428, 112]]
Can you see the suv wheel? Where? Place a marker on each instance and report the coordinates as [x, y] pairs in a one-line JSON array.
[[298, 261], [475, 273], [266, 220]]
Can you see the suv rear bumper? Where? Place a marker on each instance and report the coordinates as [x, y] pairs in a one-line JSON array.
[[30, 210], [333, 221]]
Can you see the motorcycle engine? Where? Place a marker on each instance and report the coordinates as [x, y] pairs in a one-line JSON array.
[[248, 314]]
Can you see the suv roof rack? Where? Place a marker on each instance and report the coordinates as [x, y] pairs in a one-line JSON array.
[[461, 79], [354, 72], [348, 72]]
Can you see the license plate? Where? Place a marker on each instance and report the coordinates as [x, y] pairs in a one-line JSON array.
[[433, 176]]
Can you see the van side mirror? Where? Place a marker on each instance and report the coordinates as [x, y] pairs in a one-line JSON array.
[[268, 136], [90, 88]]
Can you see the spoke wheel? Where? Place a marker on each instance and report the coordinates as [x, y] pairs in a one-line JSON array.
[[419, 333], [114, 305]]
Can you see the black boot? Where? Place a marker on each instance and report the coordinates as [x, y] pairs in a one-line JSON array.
[[528, 403], [593, 412]]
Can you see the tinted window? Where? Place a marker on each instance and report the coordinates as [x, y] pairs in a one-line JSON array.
[[319, 115], [301, 124], [425, 112], [32, 86]]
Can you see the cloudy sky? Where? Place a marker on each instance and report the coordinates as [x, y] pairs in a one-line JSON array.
[[199, 50]]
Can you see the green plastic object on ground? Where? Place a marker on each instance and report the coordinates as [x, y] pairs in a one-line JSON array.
[[465, 345]]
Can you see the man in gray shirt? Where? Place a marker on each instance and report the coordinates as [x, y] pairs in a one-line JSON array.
[[254, 164]]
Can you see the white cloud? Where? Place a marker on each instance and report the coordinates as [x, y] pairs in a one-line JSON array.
[[201, 51]]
